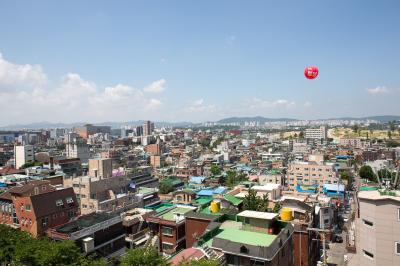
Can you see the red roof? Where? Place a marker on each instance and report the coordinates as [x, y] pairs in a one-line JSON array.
[[9, 170], [187, 254]]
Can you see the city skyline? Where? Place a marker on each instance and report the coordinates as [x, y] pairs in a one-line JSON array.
[[196, 62]]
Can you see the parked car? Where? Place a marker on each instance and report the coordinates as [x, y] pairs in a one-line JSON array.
[[337, 239]]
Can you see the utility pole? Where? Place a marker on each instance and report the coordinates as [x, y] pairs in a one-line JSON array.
[[322, 232]]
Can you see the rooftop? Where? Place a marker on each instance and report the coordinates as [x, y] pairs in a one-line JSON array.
[[379, 195], [246, 237], [169, 215], [232, 199], [258, 215], [85, 221]]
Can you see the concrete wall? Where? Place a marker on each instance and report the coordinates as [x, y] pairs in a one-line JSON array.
[[380, 238]]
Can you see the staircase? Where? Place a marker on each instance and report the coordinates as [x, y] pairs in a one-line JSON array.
[[211, 254]]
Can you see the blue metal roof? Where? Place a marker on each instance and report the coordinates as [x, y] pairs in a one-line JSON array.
[[197, 179], [333, 187]]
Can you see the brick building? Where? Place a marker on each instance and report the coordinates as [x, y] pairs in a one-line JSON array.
[[38, 206]]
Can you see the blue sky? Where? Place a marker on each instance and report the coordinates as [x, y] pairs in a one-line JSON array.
[[95, 61]]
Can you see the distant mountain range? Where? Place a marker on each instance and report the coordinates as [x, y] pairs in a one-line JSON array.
[[260, 119], [229, 120], [45, 124]]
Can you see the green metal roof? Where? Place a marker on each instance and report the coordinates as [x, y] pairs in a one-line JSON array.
[[368, 188], [202, 200], [232, 199], [170, 214], [246, 237]]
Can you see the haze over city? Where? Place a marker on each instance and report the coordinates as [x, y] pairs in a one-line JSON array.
[[97, 61]]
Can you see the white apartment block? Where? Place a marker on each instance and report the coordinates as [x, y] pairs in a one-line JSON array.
[[23, 154], [351, 142], [311, 173], [377, 235], [76, 147], [316, 133]]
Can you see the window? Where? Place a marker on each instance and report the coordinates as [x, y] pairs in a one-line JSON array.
[[59, 202], [69, 200], [75, 185], [254, 262], [84, 206], [45, 222], [368, 223], [54, 216], [397, 248], [28, 207], [244, 250], [44, 187], [368, 254], [71, 214], [167, 246], [167, 231], [398, 214]]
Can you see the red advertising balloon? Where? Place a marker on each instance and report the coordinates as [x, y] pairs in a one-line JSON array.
[[311, 72]]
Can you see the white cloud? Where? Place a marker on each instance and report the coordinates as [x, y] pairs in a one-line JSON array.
[[22, 77], [257, 103], [198, 102], [378, 90], [72, 99], [307, 104], [156, 86]]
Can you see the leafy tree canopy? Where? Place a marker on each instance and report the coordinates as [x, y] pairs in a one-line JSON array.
[[366, 172]]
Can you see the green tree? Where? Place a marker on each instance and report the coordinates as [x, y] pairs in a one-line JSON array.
[[143, 256], [253, 202], [215, 170], [392, 144], [201, 262], [301, 135], [389, 133], [345, 175], [277, 207], [386, 174], [392, 126], [166, 188], [233, 178], [19, 248], [355, 128], [31, 164], [366, 172], [263, 205], [230, 178]]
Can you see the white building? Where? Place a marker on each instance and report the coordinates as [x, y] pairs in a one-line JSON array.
[[76, 147], [23, 154], [316, 133]]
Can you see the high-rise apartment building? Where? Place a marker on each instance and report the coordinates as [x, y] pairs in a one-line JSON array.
[[148, 128], [311, 173], [23, 154], [316, 133], [139, 131], [76, 147]]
